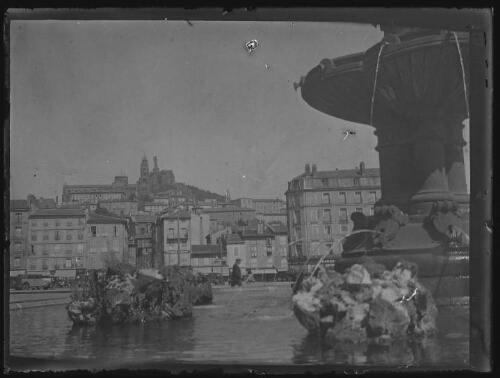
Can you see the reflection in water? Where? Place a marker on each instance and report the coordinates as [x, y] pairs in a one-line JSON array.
[[249, 327]]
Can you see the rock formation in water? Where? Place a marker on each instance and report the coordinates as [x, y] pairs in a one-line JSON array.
[[123, 295], [366, 303]]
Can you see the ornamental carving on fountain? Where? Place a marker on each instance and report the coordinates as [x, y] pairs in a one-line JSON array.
[[412, 88]]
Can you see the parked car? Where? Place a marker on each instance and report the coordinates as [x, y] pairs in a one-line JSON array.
[[15, 282], [34, 282]]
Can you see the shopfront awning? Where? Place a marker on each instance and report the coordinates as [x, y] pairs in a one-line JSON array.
[[263, 270]]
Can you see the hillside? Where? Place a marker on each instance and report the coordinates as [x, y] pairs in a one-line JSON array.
[[193, 191]]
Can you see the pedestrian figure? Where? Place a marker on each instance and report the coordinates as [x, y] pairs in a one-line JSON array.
[[236, 274]]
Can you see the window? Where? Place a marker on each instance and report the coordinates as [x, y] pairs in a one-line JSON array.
[[314, 231], [58, 223], [80, 248], [80, 235], [80, 222], [57, 249], [184, 233], [359, 210], [93, 231], [68, 263], [344, 228], [327, 215], [104, 246], [69, 223], [326, 198], [357, 197], [329, 248], [17, 232], [143, 231], [79, 262], [33, 224], [57, 236], [325, 183], [45, 264], [45, 224], [19, 217], [33, 237], [283, 240], [69, 251], [373, 197], [236, 251], [45, 235], [17, 261], [343, 214], [269, 242], [328, 230], [17, 247], [115, 233], [371, 211], [313, 215], [342, 198], [69, 236], [45, 252], [170, 232]]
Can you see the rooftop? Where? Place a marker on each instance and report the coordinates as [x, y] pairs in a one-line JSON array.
[[95, 218], [233, 238], [345, 173], [206, 249], [227, 210], [143, 219], [19, 204], [58, 213], [179, 215], [278, 229]]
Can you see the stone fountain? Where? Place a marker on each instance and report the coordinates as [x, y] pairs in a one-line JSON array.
[[412, 88]]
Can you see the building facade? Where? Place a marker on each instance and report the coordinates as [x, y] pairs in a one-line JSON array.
[[56, 239], [174, 239], [92, 194], [320, 205], [120, 207], [18, 234], [106, 241], [142, 231], [209, 259], [230, 215]]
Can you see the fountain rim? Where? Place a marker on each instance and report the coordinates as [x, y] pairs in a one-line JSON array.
[[391, 51], [357, 64]]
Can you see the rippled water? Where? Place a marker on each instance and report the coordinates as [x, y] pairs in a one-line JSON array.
[[239, 327]]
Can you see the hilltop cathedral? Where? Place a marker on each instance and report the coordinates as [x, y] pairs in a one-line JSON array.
[[153, 182]]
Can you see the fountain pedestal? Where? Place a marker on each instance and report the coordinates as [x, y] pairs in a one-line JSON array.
[[411, 87]]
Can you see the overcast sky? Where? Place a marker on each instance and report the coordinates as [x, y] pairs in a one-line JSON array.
[[90, 98]]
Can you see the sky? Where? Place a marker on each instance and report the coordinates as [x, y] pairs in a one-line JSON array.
[[90, 98]]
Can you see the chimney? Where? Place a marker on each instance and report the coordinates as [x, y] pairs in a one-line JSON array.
[[362, 168], [314, 169], [308, 170]]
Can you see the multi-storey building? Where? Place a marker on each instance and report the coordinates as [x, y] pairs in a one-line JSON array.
[[120, 207], [209, 259], [56, 239], [230, 215], [260, 250], [106, 241], [236, 249], [155, 207], [268, 218], [19, 213], [262, 206], [280, 251], [177, 233], [92, 194], [320, 205], [142, 232]]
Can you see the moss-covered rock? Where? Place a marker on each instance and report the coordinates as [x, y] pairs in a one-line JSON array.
[[366, 303], [124, 295]]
